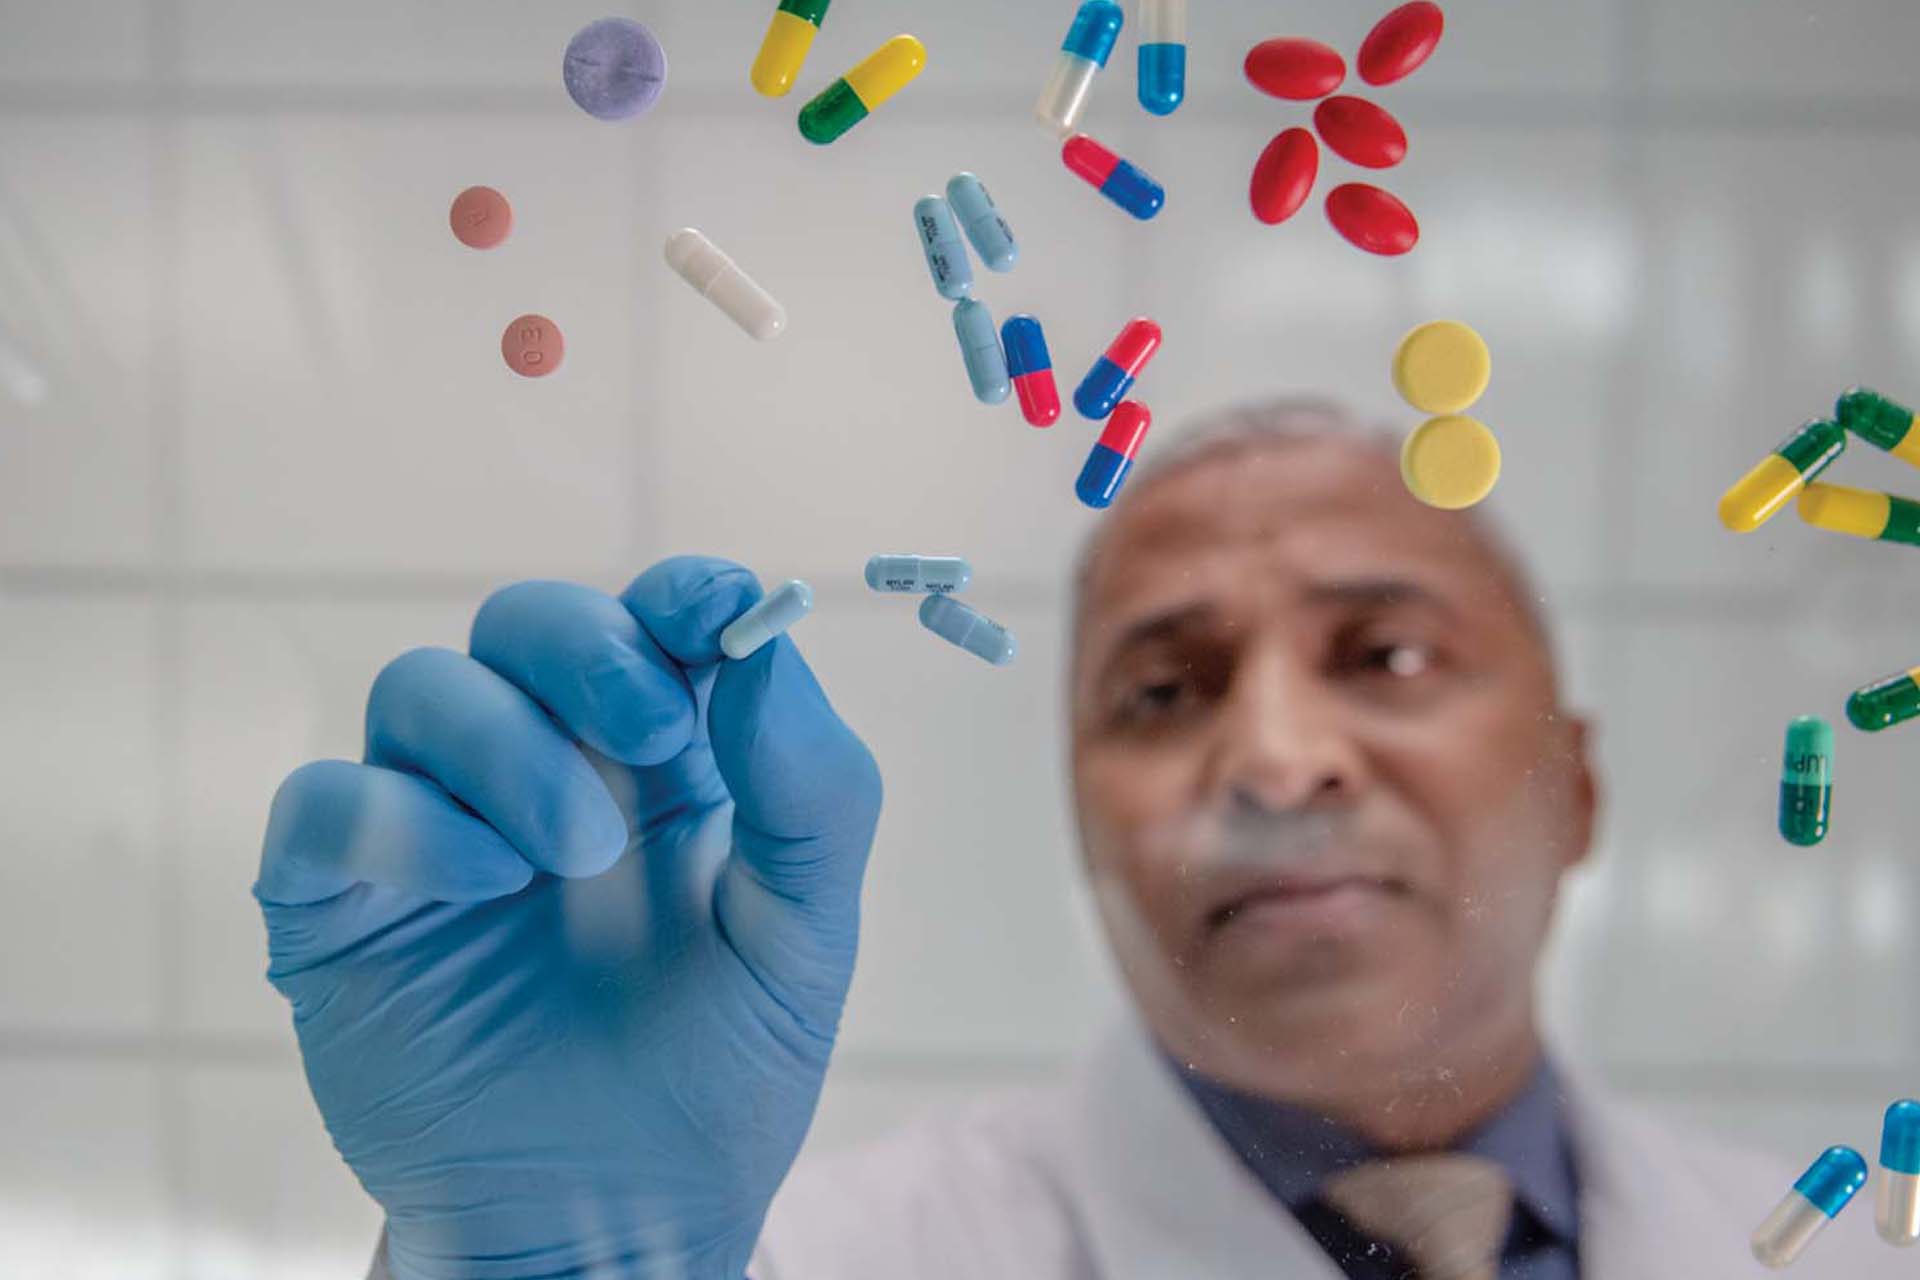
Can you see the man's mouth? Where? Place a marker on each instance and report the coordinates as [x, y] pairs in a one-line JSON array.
[[1307, 900]]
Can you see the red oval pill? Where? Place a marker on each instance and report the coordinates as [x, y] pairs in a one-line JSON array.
[[1360, 132], [1372, 219], [481, 217], [1283, 175], [532, 346], [1295, 68], [1400, 42]]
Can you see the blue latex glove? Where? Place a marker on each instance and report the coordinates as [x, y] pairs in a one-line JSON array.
[[566, 1012]]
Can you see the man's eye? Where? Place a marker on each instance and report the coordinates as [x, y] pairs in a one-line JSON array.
[[1405, 661], [1155, 699]]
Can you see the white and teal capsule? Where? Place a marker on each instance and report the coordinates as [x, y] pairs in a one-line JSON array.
[[1896, 1201], [1089, 43], [918, 575], [1829, 1183], [770, 616], [961, 624], [1162, 85]]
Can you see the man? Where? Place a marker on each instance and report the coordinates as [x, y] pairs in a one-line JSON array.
[[567, 954]]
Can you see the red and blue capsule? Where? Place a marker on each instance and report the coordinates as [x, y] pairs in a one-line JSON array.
[[1031, 368], [1114, 178], [1112, 457], [1113, 374]]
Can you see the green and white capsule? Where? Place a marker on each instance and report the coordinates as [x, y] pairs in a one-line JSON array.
[[1886, 702], [1881, 422], [1806, 781]]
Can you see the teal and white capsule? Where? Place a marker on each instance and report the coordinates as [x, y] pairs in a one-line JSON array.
[[959, 623], [918, 575], [1806, 781], [946, 252], [770, 616], [1896, 1201], [1827, 1186], [980, 347], [987, 231]]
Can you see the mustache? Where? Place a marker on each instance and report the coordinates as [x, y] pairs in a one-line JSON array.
[[1242, 834]]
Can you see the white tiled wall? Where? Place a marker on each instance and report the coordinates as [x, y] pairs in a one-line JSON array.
[[277, 446]]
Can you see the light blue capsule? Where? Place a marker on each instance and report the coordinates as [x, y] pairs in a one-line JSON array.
[[930, 575], [946, 253], [980, 347], [987, 231], [961, 624], [771, 615]]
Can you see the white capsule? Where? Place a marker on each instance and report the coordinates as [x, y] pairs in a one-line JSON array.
[[717, 278], [785, 605]]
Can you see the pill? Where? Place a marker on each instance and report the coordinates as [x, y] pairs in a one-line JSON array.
[[850, 99], [1089, 43], [1113, 374], [980, 348], [1776, 479], [1372, 219], [481, 218], [1860, 512], [959, 623], [928, 575], [1885, 702], [946, 253], [1822, 1191], [1400, 42], [533, 346], [1896, 1209], [986, 230], [1360, 132], [783, 51], [1114, 178], [770, 616], [1112, 455], [1450, 462], [716, 277], [1883, 423], [1296, 69], [1441, 366], [1031, 368], [1806, 781], [614, 68], [1283, 175], [1162, 65]]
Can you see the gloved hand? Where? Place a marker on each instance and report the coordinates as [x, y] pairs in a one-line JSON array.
[[566, 1010]]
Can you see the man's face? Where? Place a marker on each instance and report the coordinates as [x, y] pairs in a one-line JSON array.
[[1324, 786]]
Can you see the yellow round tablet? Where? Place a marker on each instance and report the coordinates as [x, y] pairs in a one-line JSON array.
[[1441, 367], [1450, 462]]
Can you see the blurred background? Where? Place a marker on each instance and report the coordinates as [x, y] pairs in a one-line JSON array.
[[256, 438]]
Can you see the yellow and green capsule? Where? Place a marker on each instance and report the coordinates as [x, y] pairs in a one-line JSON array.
[[1886, 702], [850, 99], [784, 50], [1806, 781], [1883, 423], [1861, 512], [1760, 493]]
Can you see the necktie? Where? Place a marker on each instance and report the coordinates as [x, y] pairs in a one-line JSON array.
[[1448, 1213]]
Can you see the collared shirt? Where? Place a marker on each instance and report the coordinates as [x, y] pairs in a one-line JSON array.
[[1293, 1152]]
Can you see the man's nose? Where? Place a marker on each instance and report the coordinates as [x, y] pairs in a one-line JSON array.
[[1285, 738]]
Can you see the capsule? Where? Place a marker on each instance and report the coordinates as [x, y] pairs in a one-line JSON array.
[[980, 348], [1860, 512], [918, 575], [1115, 178], [1883, 423], [1112, 375], [1885, 702], [959, 623], [720, 281], [1822, 1191], [1295, 69], [1283, 175], [987, 231], [1896, 1201], [1757, 496], [946, 254], [1162, 70], [1806, 781], [1031, 368], [854, 96], [1372, 219], [1400, 42], [1088, 45], [784, 50], [771, 615], [1360, 132], [1112, 456]]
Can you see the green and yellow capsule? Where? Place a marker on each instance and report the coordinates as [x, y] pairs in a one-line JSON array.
[[1806, 781], [1861, 512], [1759, 495], [848, 100], [1883, 423], [785, 47], [1886, 702]]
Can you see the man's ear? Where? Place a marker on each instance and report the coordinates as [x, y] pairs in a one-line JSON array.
[[1584, 792]]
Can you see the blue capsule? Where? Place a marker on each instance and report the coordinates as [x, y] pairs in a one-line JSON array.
[[946, 254], [1162, 81], [959, 623], [980, 348], [987, 231]]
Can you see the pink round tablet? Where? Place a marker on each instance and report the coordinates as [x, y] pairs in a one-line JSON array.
[[532, 346], [481, 218]]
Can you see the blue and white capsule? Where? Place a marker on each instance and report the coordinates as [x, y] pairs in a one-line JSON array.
[[779, 609], [980, 348], [1896, 1200], [946, 253], [1827, 1186], [1112, 456], [1088, 45], [987, 231], [1163, 55], [959, 623], [918, 575]]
